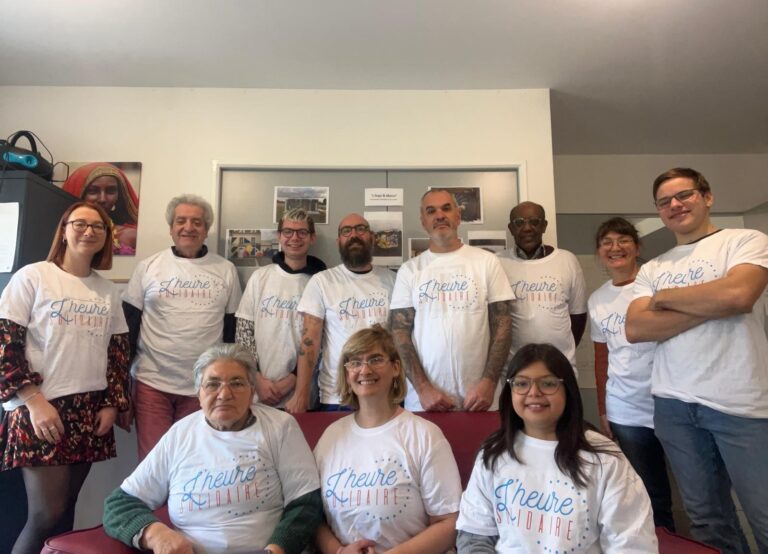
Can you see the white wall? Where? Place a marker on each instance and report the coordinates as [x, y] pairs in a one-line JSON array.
[[178, 133], [622, 184]]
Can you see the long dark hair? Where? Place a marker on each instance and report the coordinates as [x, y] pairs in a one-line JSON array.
[[570, 428]]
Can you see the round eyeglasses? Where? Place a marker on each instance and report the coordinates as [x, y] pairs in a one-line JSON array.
[[546, 385]]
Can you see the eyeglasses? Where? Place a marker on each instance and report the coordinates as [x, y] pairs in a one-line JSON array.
[[235, 385], [80, 225], [623, 242], [288, 233], [377, 362], [682, 196], [359, 229], [546, 385], [520, 222]]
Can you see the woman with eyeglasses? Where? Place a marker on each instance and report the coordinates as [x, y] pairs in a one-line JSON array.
[[388, 478], [63, 371], [623, 370], [237, 477], [542, 482]]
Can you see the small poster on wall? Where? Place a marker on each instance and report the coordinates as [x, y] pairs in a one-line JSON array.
[[387, 230], [470, 203], [416, 246], [492, 241], [115, 187], [251, 247], [313, 200], [384, 197]]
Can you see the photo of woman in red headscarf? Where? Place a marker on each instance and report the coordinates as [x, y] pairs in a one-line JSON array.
[[107, 185]]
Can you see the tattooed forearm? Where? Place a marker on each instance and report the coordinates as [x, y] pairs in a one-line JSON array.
[[500, 321], [401, 322]]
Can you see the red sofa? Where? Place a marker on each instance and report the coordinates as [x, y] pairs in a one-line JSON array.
[[464, 431]]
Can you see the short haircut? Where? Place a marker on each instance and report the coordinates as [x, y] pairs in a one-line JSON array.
[[297, 214], [682, 172], [224, 351], [439, 189], [617, 225], [103, 258], [193, 200], [359, 343], [539, 206]]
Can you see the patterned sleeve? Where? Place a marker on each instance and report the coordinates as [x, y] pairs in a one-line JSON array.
[[14, 367], [118, 353]]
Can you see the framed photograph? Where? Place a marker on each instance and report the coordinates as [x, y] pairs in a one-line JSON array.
[[470, 203], [492, 241], [115, 186], [251, 247], [387, 229], [313, 200], [416, 246]]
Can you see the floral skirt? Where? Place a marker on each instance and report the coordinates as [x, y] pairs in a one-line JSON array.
[[20, 447]]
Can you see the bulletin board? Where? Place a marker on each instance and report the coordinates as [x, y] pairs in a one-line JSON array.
[[245, 200]]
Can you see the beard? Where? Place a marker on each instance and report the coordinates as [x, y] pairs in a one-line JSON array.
[[356, 257]]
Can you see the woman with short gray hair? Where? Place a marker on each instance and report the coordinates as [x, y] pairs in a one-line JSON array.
[[235, 476]]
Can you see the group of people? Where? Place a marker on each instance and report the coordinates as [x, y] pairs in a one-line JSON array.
[[681, 363]]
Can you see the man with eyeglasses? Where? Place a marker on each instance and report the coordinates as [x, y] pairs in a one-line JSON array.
[[550, 292], [335, 304], [178, 303], [703, 303], [268, 322], [450, 316]]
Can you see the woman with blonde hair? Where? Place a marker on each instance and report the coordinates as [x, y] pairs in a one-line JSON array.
[[388, 478]]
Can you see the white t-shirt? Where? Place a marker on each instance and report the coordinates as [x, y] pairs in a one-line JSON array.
[[183, 302], [226, 490], [70, 321], [383, 483], [270, 300], [534, 507], [450, 293], [547, 291], [347, 302], [722, 363], [628, 399]]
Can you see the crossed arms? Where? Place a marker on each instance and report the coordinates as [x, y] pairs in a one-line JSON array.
[[670, 312]]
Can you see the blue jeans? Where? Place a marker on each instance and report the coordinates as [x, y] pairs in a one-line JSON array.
[[644, 452], [708, 451]]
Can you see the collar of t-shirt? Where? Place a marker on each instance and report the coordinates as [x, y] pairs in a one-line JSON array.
[[541, 252], [314, 265], [202, 252]]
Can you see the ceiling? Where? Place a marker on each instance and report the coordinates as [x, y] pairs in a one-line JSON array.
[[627, 76]]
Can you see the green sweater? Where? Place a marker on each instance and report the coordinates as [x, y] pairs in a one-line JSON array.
[[126, 515]]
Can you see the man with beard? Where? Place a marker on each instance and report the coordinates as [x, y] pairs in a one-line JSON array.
[[335, 304], [451, 317]]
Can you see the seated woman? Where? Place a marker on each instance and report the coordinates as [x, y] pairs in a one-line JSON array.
[[389, 480], [235, 477], [541, 483]]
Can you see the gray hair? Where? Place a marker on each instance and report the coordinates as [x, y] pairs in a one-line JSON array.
[[297, 214], [224, 351], [194, 200]]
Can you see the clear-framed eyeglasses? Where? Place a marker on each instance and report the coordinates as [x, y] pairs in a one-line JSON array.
[[376, 362], [520, 222], [546, 385], [212, 386]]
